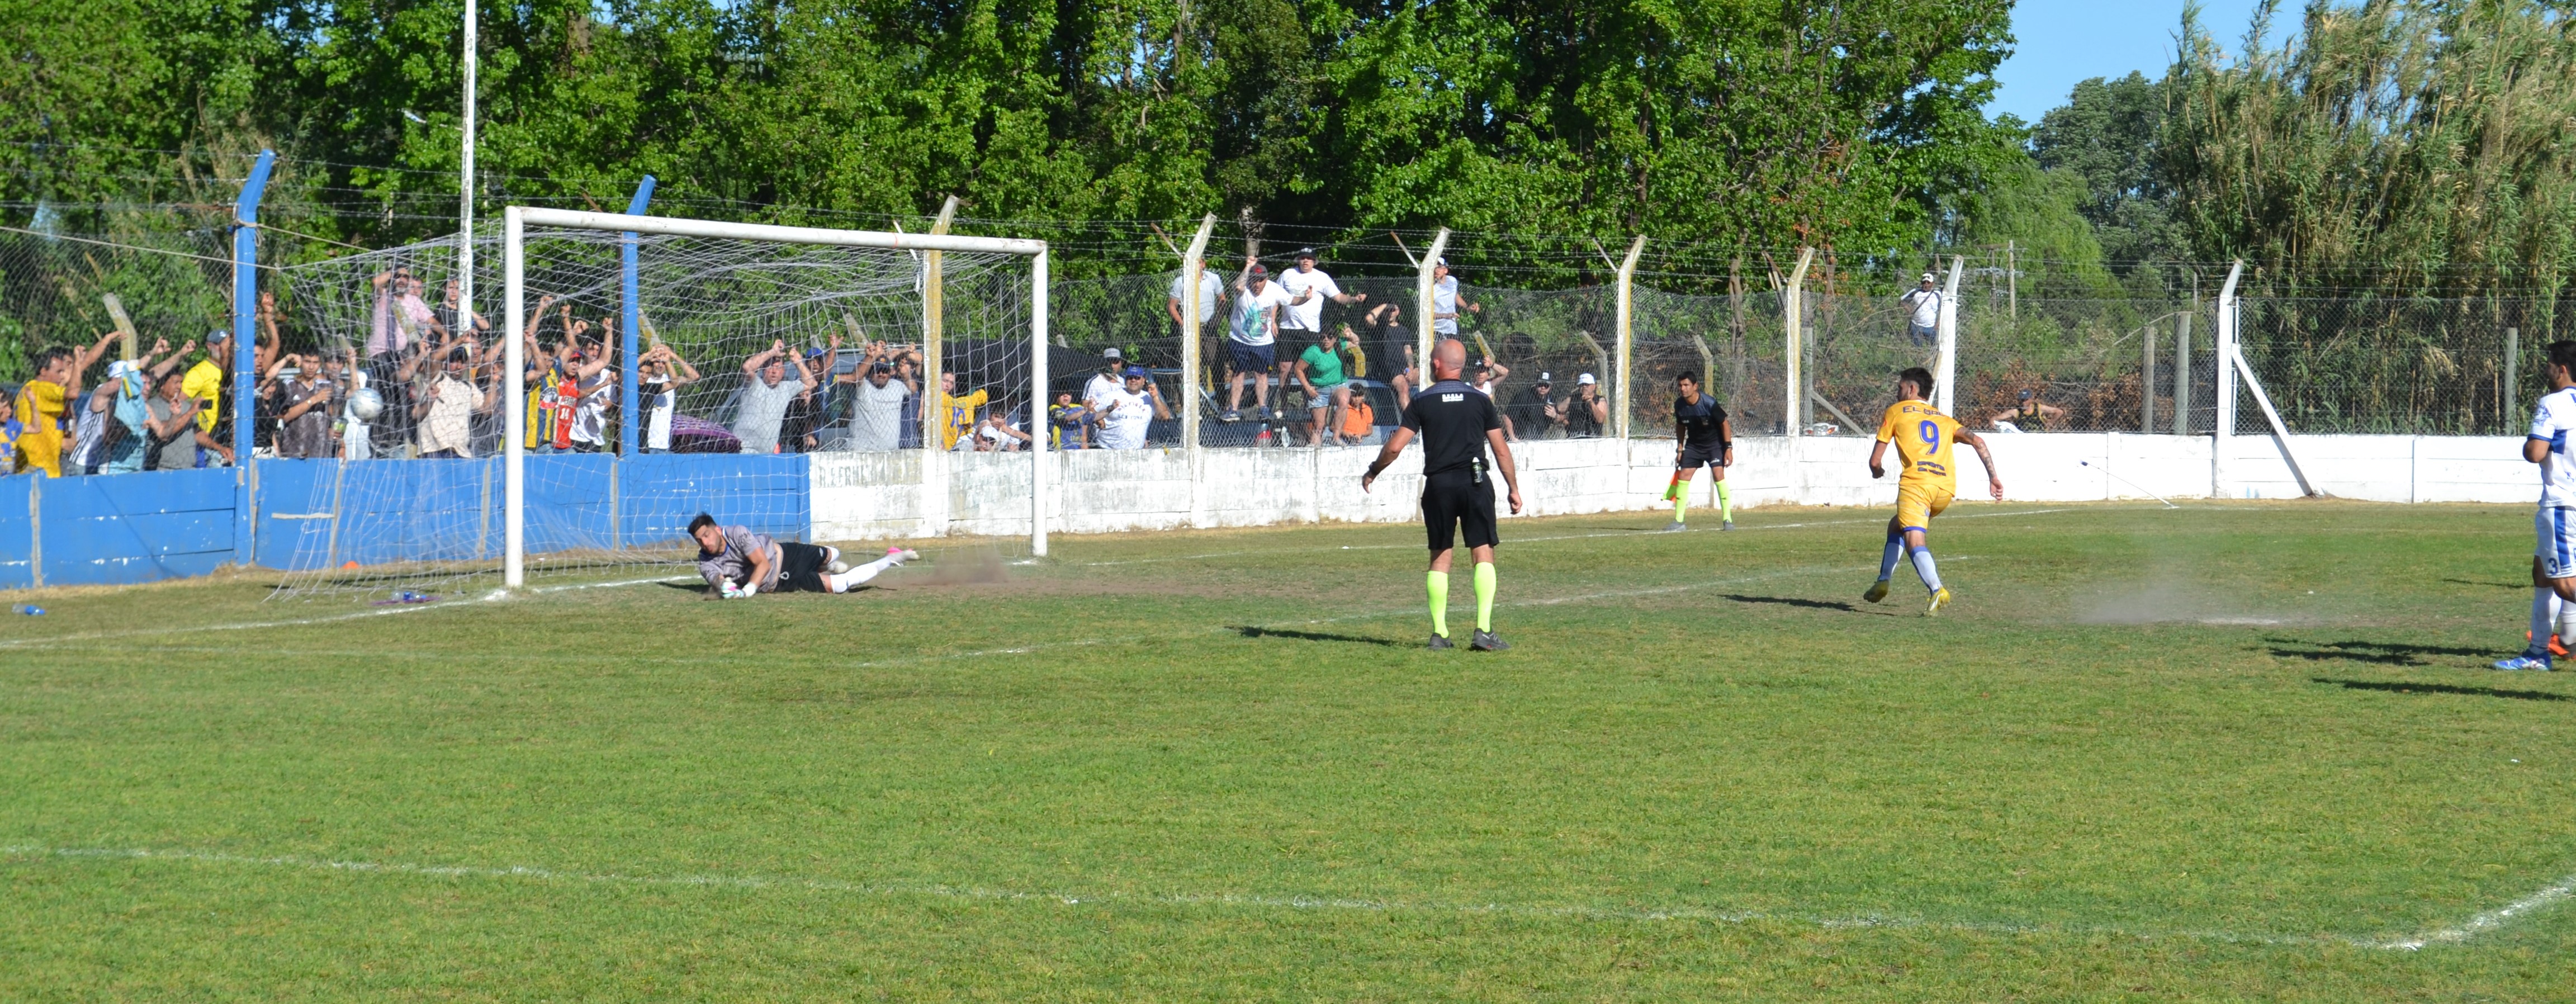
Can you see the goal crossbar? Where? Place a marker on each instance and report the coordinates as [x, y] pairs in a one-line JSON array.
[[516, 220]]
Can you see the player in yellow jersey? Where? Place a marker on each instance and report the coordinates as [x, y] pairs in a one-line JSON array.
[[1923, 438]]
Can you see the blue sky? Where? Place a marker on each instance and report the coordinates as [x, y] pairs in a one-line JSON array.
[[2060, 42]]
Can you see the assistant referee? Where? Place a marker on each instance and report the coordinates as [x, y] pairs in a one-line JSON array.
[[1456, 422]]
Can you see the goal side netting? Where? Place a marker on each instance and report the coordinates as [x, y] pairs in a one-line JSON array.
[[829, 386]]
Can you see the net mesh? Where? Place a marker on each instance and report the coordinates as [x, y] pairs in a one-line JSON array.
[[760, 374]]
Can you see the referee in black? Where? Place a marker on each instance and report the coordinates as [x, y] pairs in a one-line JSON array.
[[1457, 422]]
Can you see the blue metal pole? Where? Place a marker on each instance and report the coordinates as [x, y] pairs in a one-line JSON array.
[[245, 346], [631, 325]]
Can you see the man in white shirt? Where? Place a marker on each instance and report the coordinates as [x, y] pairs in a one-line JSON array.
[[1107, 380], [1923, 317], [770, 385], [1125, 413], [1211, 302], [446, 412], [2553, 561], [1255, 331], [1445, 301], [660, 375], [876, 418], [1311, 287]]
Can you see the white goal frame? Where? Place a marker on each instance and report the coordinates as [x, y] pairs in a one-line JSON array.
[[516, 220]]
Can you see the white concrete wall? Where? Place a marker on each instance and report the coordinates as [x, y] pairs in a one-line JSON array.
[[864, 496]]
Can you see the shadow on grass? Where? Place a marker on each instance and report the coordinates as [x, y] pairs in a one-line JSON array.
[[1797, 601], [2443, 688], [1250, 631], [2495, 585], [2374, 652]]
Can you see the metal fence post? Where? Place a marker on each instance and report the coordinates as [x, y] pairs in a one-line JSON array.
[[1626, 337], [2512, 373], [1792, 302], [2147, 380], [1194, 364], [2182, 370], [245, 355], [1945, 373], [2225, 425], [631, 318]]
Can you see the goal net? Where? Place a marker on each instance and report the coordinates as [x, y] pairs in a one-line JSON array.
[[829, 386]]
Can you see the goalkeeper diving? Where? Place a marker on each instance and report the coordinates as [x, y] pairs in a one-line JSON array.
[[739, 563]]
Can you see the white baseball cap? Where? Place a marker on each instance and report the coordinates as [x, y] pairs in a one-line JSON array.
[[1583, 378]]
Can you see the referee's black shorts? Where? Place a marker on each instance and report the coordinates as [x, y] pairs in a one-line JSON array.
[[1696, 456], [1452, 505]]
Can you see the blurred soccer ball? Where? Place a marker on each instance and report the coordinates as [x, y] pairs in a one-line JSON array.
[[366, 404]]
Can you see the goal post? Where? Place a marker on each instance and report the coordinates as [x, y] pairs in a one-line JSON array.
[[518, 220]]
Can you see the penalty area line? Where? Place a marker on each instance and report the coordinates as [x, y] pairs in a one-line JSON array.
[[754, 883]]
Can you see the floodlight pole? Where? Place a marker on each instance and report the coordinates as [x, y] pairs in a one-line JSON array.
[[1946, 372], [245, 339], [1422, 303], [514, 447], [1626, 336], [2225, 426], [631, 322]]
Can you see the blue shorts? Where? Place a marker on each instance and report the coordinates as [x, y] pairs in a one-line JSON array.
[[1252, 358], [2556, 528]]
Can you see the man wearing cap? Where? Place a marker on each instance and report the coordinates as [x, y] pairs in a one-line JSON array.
[[1112, 375], [876, 421], [1126, 412], [766, 392], [1311, 286], [1532, 411], [1585, 411], [1923, 322], [1250, 343], [1445, 302]]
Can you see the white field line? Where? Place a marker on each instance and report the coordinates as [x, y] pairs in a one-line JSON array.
[[1685, 914], [1533, 540], [300, 622], [2489, 920]]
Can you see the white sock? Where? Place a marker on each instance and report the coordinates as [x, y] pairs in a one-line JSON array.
[[2566, 626], [853, 578], [1887, 557], [2544, 617], [831, 554], [1923, 567]]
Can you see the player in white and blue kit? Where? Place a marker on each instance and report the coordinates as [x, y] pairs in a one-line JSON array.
[[2553, 561]]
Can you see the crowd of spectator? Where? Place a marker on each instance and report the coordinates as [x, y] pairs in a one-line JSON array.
[[426, 382]]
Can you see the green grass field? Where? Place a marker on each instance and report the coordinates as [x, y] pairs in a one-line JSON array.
[[2221, 752]]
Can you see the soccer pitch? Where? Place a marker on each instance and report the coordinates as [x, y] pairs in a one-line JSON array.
[[2230, 751]]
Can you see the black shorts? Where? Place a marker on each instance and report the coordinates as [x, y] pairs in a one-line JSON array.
[[1451, 504], [1695, 456], [800, 568]]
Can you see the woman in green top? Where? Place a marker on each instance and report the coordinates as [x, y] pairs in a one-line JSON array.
[[1319, 371]]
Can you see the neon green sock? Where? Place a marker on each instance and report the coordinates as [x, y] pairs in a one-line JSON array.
[[1725, 504], [1681, 505], [1438, 586], [1485, 596]]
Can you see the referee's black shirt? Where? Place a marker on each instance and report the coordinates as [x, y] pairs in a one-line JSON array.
[[1452, 419]]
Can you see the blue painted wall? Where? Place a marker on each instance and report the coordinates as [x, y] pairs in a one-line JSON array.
[[321, 513]]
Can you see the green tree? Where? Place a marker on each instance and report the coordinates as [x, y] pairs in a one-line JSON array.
[[2106, 134]]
